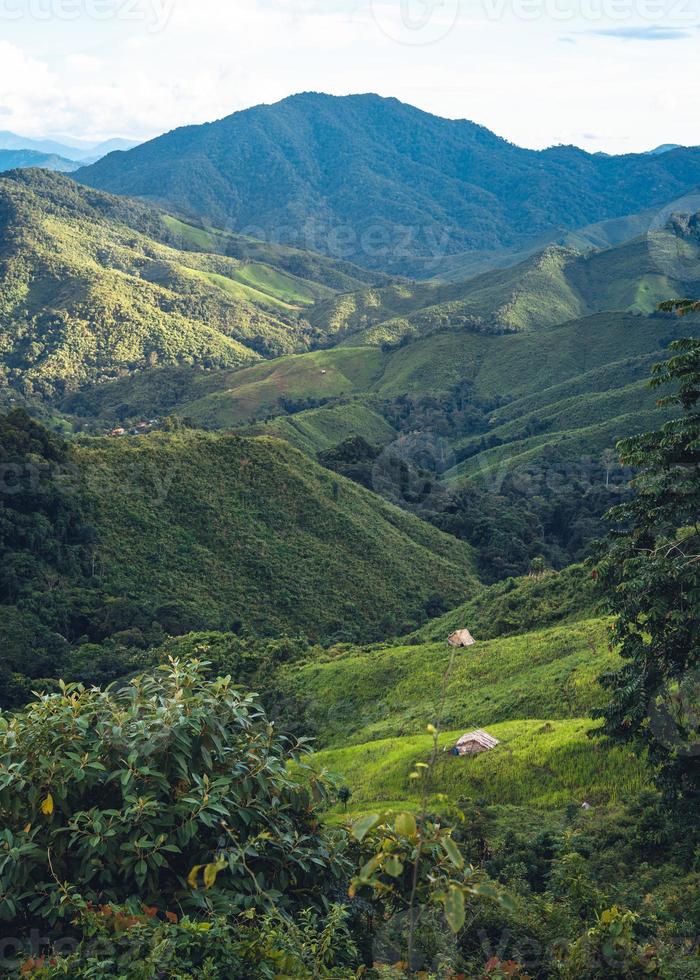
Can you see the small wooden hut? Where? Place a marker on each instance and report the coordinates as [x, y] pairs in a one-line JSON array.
[[475, 742], [461, 638]]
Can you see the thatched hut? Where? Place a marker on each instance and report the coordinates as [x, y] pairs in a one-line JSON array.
[[475, 742], [461, 638]]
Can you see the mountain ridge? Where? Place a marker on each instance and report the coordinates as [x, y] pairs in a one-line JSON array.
[[380, 182]]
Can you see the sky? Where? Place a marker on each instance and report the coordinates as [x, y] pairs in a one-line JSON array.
[[607, 75]]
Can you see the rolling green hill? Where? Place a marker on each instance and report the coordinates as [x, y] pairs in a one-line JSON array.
[[248, 530], [358, 695], [531, 685], [549, 288], [518, 605], [579, 385], [383, 183], [93, 287], [599, 235]]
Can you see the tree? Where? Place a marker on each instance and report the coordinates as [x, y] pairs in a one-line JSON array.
[[173, 791], [681, 306], [650, 571], [344, 794]]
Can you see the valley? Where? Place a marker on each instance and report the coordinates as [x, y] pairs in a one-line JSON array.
[[248, 490]]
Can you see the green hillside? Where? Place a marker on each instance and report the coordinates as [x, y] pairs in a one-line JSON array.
[[247, 530], [90, 290], [358, 695], [518, 605], [599, 235], [579, 386], [506, 367], [300, 263], [539, 764], [551, 287]]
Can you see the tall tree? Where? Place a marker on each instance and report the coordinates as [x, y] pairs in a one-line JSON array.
[[650, 570]]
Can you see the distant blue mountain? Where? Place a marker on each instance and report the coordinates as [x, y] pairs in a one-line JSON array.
[[20, 159], [664, 148], [83, 151]]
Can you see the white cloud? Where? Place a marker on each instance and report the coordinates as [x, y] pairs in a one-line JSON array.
[[139, 77]]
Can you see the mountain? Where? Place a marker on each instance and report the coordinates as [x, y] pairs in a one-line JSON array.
[[381, 182], [85, 151], [90, 288], [664, 148], [547, 288], [95, 151], [11, 141], [555, 351], [16, 159]]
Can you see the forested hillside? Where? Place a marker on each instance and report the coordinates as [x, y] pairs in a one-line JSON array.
[[382, 183], [122, 541], [90, 290], [349, 623]]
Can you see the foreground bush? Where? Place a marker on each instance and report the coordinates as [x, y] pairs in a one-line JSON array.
[[120, 944], [173, 792]]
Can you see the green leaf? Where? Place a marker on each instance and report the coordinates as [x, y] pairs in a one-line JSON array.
[[363, 825], [485, 889], [405, 825], [454, 909], [211, 871], [453, 852], [393, 866]]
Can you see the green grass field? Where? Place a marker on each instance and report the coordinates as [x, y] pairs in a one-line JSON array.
[[323, 428], [359, 694], [539, 764]]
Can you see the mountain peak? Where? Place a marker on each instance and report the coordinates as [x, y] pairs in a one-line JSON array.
[[382, 183]]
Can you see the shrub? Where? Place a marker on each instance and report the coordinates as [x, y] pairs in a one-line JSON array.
[[117, 943], [609, 950], [173, 791]]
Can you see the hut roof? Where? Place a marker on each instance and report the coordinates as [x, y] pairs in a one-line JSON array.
[[480, 737], [461, 638]]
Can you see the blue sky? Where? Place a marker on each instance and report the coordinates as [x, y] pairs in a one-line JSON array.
[[612, 75]]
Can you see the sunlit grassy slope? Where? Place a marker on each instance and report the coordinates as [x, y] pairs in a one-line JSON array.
[[529, 371], [531, 685], [551, 287], [322, 428], [94, 288], [357, 695], [539, 763]]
